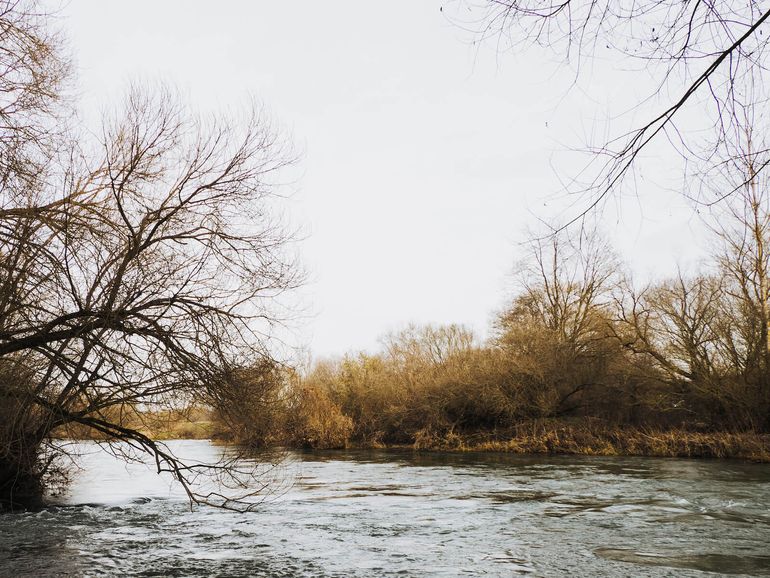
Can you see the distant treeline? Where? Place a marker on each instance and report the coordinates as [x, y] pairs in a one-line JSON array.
[[579, 344]]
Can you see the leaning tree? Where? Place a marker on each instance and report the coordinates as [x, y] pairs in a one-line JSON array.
[[138, 268]]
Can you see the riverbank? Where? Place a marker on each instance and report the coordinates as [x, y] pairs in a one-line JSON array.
[[600, 440], [542, 437], [189, 424]]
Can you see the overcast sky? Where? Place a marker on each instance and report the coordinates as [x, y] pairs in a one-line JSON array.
[[425, 158]]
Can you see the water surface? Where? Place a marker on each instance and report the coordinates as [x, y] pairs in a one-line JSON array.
[[378, 513]]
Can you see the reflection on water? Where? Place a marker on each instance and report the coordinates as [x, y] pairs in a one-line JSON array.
[[378, 513], [720, 563]]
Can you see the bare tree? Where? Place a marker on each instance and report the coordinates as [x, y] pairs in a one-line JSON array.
[[676, 325], [703, 56], [564, 282], [33, 72], [142, 270], [742, 226], [427, 344], [555, 332]]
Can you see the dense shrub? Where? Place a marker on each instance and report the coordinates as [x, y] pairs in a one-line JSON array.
[[315, 421]]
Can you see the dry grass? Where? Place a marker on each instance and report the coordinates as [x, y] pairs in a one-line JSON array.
[[596, 439], [192, 423]]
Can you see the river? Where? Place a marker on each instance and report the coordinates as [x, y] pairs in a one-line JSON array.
[[380, 513]]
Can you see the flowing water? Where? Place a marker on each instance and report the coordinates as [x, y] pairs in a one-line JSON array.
[[378, 513]]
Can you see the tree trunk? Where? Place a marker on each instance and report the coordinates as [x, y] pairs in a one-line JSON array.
[[21, 474]]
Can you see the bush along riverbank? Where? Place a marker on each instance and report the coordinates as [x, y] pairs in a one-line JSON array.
[[526, 391]]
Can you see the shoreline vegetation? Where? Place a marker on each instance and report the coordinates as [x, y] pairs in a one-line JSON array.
[[542, 437], [593, 440]]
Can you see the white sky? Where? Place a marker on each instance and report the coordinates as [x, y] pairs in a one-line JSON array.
[[424, 158]]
